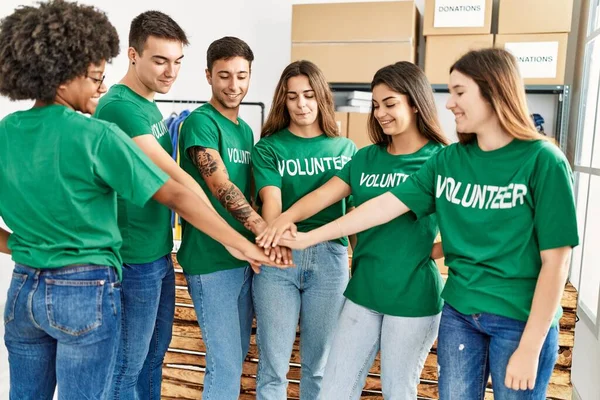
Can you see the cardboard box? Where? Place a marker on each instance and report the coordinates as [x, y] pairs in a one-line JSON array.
[[341, 22], [357, 129], [457, 17], [535, 16], [443, 51], [352, 62], [341, 119], [541, 57]]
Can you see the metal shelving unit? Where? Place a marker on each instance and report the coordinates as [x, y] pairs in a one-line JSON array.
[[561, 114]]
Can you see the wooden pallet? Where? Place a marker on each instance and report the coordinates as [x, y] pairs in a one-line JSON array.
[[183, 369]]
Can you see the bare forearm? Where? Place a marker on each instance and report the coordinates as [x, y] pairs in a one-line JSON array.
[[374, 212], [189, 182], [270, 211], [197, 213], [315, 201], [229, 195], [4, 235], [234, 201], [546, 299]]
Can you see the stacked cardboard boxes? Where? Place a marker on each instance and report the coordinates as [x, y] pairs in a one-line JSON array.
[[351, 41], [536, 32], [452, 28]]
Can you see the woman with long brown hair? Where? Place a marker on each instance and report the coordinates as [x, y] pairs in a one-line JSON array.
[[300, 150], [505, 206], [393, 299]]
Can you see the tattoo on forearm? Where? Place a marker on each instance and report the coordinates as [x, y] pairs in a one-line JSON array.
[[234, 201], [204, 162]]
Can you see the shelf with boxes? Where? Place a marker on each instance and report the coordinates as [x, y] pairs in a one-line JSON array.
[[536, 32], [354, 124], [351, 41]]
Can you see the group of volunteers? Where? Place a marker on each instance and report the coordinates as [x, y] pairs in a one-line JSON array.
[[87, 185]]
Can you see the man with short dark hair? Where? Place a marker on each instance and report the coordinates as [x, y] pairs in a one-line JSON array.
[[215, 148]]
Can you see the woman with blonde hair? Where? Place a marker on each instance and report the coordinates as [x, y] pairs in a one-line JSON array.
[[393, 301], [300, 150], [504, 202]]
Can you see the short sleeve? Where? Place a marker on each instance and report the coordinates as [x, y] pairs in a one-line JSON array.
[[265, 167], [128, 116], [199, 130], [344, 173], [418, 191], [122, 165], [555, 213]]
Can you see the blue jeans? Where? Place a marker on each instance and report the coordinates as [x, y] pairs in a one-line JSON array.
[[146, 329], [470, 347], [312, 292], [223, 304], [404, 342], [62, 327]]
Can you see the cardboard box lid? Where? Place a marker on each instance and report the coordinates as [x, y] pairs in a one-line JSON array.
[[471, 17], [340, 22], [541, 57], [443, 51], [534, 16]]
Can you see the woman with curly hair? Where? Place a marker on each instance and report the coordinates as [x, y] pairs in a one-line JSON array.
[[60, 175]]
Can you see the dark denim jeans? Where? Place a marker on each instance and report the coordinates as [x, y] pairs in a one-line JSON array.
[[146, 329], [471, 347], [62, 327]]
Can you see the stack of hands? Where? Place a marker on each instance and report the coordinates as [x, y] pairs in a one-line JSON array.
[[277, 240]]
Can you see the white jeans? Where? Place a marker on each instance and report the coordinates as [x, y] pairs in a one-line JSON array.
[[404, 343]]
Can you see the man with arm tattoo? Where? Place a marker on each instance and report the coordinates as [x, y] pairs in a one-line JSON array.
[[215, 146]]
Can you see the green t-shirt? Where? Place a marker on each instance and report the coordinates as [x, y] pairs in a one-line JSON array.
[[147, 232], [60, 171], [392, 271], [496, 211], [298, 166], [206, 127]]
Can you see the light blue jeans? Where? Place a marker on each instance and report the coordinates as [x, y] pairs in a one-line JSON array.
[[62, 328], [146, 329], [223, 304], [404, 343], [312, 292]]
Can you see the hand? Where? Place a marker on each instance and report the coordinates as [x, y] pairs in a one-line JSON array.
[[437, 251], [521, 370], [298, 242], [271, 236], [256, 257], [240, 256], [280, 254]]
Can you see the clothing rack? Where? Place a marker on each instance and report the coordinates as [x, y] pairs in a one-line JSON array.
[[244, 103]]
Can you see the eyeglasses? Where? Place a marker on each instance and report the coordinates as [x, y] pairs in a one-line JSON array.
[[96, 80]]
